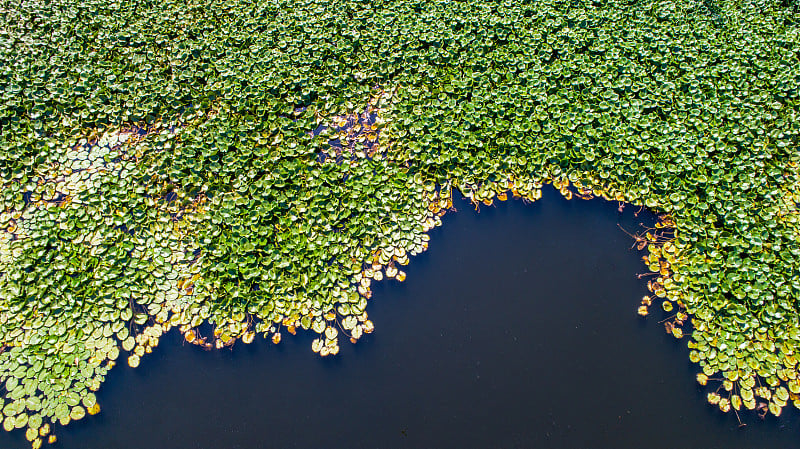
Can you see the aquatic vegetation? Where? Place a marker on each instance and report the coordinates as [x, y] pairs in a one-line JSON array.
[[255, 166]]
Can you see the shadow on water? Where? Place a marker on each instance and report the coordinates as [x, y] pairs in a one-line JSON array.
[[518, 328]]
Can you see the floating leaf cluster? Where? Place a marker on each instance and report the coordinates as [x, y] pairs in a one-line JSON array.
[[255, 166]]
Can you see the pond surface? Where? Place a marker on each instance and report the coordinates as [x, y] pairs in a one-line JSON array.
[[518, 328]]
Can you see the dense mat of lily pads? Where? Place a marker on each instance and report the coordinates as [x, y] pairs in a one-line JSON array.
[[243, 168]]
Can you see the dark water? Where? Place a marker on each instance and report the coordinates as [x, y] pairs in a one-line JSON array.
[[518, 328]]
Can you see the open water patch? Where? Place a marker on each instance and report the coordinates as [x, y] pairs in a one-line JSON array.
[[517, 328]]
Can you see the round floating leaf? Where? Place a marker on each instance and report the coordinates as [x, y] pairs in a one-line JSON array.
[[21, 421], [349, 322], [33, 403], [89, 400], [35, 421], [61, 411], [248, 337], [782, 393], [94, 409], [133, 360], [702, 379], [77, 413], [9, 423], [72, 398], [775, 409], [331, 333]]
